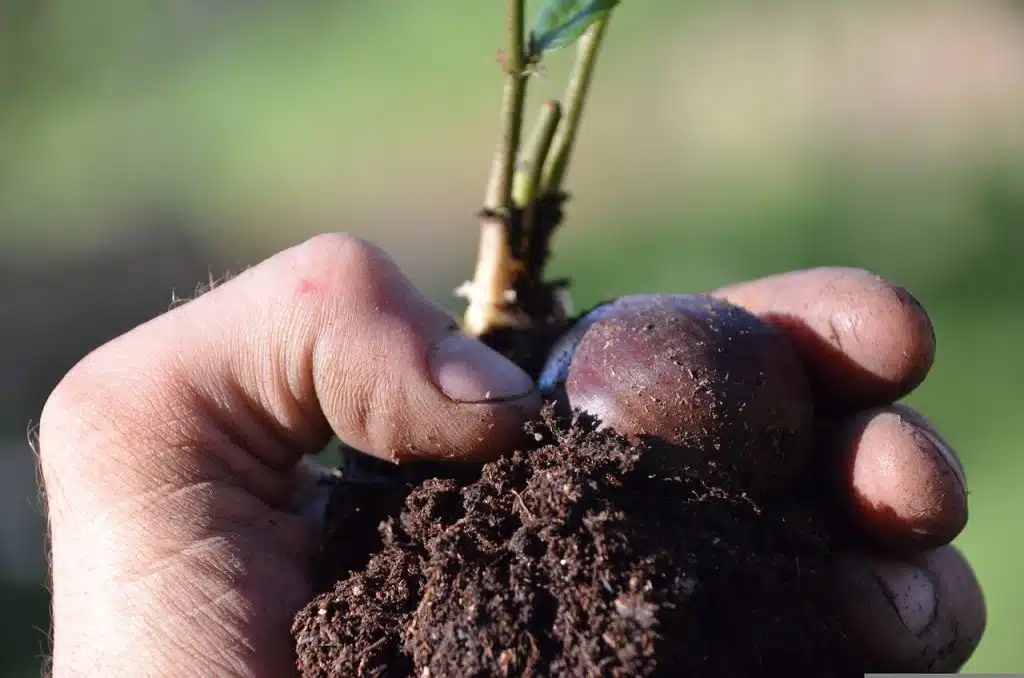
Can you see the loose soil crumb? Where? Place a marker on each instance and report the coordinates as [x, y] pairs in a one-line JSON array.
[[576, 559]]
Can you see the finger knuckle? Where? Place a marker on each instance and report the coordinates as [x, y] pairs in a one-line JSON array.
[[98, 399], [67, 409], [361, 280], [342, 256]]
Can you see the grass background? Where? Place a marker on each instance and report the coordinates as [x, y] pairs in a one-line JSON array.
[[723, 141]]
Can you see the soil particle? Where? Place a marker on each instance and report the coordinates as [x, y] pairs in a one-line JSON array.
[[578, 558]]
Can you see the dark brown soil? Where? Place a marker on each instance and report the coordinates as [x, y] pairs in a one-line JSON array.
[[576, 559]]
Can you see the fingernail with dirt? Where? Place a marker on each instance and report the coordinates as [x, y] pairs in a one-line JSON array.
[[467, 371], [910, 592]]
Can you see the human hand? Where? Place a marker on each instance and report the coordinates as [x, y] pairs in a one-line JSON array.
[[910, 596], [170, 456]]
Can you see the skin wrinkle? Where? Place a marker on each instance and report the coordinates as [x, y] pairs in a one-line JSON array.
[[384, 386], [433, 435], [98, 522], [131, 430], [243, 423], [280, 403], [165, 505], [370, 391], [175, 519], [282, 426], [242, 445], [360, 391], [436, 429], [217, 551], [296, 366], [217, 571], [182, 455], [236, 425], [111, 607], [356, 396], [221, 643], [283, 415]]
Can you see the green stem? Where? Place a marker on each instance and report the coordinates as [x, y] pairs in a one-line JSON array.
[[513, 100], [527, 182], [531, 165], [576, 95]]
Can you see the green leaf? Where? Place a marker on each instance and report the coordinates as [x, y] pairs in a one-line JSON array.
[[562, 22]]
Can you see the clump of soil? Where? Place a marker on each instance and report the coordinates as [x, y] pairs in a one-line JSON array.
[[579, 558]]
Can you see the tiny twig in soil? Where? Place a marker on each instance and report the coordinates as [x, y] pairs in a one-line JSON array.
[[522, 504]]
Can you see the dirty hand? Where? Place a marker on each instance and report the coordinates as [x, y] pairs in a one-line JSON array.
[[911, 598], [181, 518]]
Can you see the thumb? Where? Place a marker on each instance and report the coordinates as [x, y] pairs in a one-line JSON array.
[[326, 337]]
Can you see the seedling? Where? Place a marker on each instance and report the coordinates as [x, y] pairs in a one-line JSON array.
[[511, 305]]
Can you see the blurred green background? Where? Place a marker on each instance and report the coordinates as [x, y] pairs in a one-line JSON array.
[[146, 145]]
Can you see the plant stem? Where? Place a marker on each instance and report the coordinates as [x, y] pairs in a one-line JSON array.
[[511, 106], [525, 193], [496, 267], [575, 96], [527, 177]]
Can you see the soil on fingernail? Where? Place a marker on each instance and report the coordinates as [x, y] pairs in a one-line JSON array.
[[575, 559]]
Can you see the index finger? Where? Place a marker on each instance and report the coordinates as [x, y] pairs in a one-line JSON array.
[[863, 340]]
